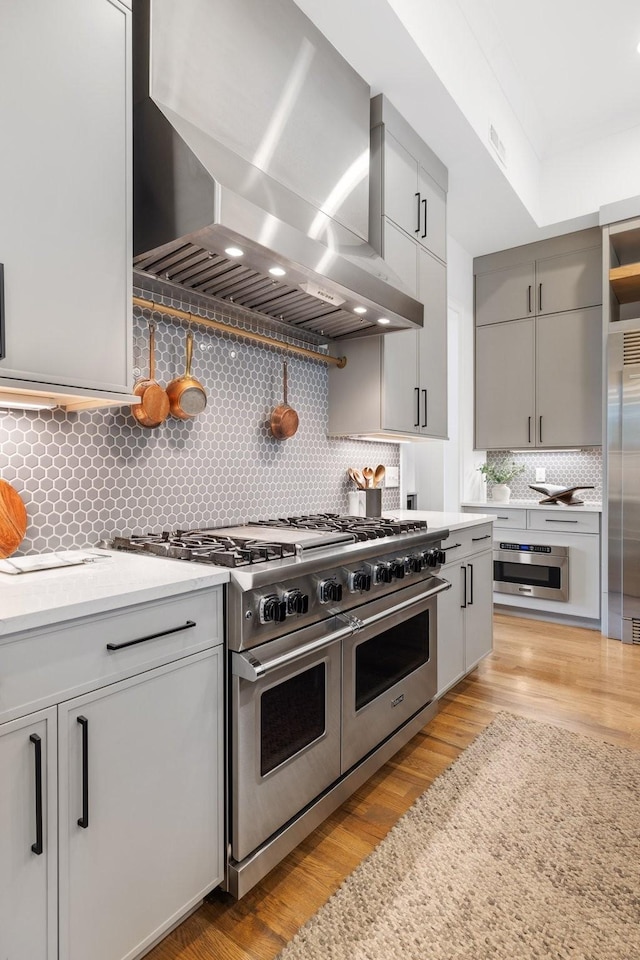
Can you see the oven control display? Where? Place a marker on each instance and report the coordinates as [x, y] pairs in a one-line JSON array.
[[527, 547]]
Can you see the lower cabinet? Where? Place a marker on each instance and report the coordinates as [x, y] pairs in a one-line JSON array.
[[465, 613], [28, 838], [111, 802]]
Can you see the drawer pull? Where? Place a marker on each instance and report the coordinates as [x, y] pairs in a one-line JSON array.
[[152, 636], [453, 546], [487, 536], [37, 742], [501, 518], [83, 821], [560, 521]]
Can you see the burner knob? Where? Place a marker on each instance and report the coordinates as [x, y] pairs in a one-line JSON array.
[[359, 581], [385, 574], [415, 563], [442, 557], [329, 591], [296, 601], [397, 569], [432, 557], [272, 609]]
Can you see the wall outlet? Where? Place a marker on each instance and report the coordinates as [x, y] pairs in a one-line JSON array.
[[541, 474], [392, 477]]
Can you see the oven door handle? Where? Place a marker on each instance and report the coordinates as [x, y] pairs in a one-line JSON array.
[[441, 586], [249, 667]]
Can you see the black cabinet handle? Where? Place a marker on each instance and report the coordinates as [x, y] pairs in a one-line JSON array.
[[417, 390], [501, 518], [154, 636], [83, 821], [540, 298], [464, 580], [417, 230], [425, 409], [470, 584], [529, 299], [37, 742], [560, 521], [540, 430], [2, 341], [424, 203], [529, 430], [487, 536]]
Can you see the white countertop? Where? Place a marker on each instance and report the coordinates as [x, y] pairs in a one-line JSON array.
[[114, 580], [439, 520], [586, 507]]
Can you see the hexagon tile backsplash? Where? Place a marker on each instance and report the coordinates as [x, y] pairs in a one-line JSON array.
[[84, 476], [563, 468]]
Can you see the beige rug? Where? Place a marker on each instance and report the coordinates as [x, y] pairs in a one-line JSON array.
[[528, 846]]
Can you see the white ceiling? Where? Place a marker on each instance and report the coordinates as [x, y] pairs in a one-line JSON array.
[[559, 80]]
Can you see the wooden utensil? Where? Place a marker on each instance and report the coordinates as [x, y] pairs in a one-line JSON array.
[[378, 475], [367, 473], [357, 478], [187, 396], [153, 408], [284, 419], [13, 519]]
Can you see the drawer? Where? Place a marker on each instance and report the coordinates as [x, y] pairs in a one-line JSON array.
[[553, 520], [461, 543], [507, 517], [40, 668]]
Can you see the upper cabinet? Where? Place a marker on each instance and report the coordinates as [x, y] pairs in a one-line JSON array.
[[65, 188], [550, 282], [396, 385], [538, 345]]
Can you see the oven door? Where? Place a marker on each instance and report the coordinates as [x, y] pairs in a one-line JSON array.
[[389, 667], [285, 731], [525, 574]]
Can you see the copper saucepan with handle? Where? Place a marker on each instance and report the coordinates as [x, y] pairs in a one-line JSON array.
[[13, 519], [187, 396], [153, 408], [284, 419]]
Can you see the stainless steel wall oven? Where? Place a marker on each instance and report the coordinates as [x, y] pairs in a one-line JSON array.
[[531, 570]]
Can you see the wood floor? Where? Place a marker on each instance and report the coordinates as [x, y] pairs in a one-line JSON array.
[[567, 676]]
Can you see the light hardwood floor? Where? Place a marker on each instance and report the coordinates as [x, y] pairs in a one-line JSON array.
[[567, 676]]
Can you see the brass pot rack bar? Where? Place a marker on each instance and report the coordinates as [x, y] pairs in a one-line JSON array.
[[339, 362]]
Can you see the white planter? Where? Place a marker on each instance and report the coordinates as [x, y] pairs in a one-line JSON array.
[[501, 492]]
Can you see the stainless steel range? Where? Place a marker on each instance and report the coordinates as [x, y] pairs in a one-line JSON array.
[[332, 636]]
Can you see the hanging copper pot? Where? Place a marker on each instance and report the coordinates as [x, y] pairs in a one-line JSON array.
[[284, 419], [153, 408]]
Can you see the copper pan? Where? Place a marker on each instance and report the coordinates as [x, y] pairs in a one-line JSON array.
[[187, 396], [284, 419], [153, 408]]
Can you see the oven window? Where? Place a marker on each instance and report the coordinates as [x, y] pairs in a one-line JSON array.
[[526, 573], [292, 715], [390, 656]]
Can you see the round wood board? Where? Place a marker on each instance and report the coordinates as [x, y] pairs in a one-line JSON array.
[[13, 519]]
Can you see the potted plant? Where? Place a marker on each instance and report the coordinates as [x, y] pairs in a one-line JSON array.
[[498, 473]]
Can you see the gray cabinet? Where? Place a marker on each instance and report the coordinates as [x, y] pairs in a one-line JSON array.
[[569, 280], [538, 382], [65, 230], [412, 199]]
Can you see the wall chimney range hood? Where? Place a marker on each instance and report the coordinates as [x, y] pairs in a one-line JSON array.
[[238, 135]]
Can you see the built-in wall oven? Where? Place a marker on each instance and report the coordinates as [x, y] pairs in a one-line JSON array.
[[531, 570]]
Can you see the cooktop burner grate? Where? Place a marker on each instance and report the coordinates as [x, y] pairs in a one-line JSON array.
[[205, 547]]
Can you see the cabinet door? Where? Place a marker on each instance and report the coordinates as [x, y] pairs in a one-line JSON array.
[[569, 281], [141, 768], [451, 662], [504, 387], [64, 192], [433, 215], [401, 408], [479, 610], [432, 341], [505, 294], [28, 868], [400, 253], [401, 200], [569, 378]]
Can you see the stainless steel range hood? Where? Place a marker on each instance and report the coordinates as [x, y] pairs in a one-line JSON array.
[[195, 197]]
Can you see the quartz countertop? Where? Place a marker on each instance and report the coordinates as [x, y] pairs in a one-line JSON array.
[[586, 507], [441, 520], [109, 581]]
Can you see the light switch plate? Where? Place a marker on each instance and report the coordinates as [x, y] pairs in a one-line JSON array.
[[392, 477], [541, 475]]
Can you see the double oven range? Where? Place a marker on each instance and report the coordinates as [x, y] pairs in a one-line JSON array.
[[331, 637]]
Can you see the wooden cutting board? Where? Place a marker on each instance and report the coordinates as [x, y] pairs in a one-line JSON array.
[[13, 519]]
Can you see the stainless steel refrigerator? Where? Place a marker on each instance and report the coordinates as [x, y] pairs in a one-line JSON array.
[[623, 484]]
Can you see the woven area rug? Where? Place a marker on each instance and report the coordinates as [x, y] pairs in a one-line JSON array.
[[528, 846]]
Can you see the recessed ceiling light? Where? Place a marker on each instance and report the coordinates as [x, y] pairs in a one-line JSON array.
[[383, 320], [277, 272], [234, 252], [359, 309]]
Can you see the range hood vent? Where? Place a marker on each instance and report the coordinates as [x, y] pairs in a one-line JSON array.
[[195, 198]]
